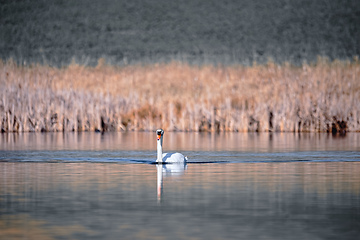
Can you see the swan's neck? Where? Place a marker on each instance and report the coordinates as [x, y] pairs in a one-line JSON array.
[[159, 150]]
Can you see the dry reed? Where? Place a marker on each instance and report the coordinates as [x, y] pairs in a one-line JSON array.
[[320, 97]]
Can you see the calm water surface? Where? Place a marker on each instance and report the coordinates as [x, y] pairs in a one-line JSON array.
[[235, 186]]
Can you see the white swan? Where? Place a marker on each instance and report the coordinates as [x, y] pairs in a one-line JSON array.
[[167, 157]]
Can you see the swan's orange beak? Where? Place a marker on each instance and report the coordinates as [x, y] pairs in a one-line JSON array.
[[158, 137]]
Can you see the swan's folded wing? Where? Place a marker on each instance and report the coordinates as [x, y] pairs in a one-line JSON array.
[[173, 158]]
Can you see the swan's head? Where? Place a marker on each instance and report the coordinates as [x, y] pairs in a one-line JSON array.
[[159, 133]]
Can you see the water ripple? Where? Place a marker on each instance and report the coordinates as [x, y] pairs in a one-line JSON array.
[[148, 157]]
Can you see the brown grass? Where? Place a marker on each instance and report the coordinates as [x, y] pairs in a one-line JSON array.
[[320, 97]]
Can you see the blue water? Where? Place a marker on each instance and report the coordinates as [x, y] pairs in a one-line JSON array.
[[235, 186], [194, 157]]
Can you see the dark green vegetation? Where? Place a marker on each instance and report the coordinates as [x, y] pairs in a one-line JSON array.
[[228, 31]]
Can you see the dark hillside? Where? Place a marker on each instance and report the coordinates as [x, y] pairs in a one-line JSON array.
[[195, 31]]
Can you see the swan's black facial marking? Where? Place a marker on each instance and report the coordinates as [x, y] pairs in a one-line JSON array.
[[159, 133]]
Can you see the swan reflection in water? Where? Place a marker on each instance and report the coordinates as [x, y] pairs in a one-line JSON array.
[[167, 170]]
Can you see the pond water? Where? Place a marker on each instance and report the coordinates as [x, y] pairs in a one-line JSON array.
[[235, 186]]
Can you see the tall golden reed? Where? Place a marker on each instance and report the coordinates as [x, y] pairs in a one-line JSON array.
[[319, 97]]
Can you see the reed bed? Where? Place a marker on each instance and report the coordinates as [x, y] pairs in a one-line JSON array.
[[319, 97]]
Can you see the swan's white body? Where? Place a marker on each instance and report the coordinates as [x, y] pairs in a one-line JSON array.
[[167, 157]]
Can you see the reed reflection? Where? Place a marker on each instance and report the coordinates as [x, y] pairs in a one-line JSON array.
[[167, 170], [180, 141]]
